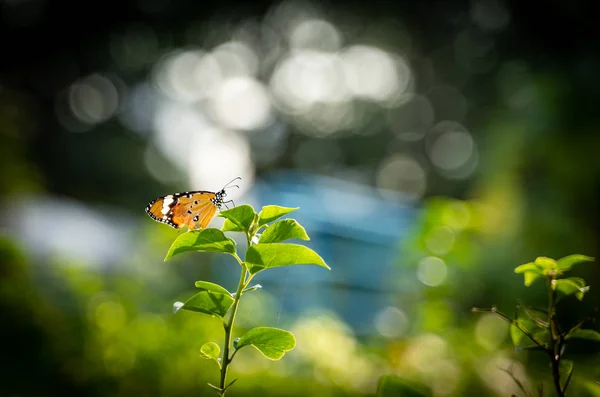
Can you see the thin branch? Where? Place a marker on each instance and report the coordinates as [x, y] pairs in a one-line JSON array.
[[529, 311], [533, 338], [515, 379], [576, 326]]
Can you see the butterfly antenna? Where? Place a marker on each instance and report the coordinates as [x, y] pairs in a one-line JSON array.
[[230, 182]]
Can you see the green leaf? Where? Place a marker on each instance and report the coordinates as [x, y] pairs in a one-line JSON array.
[[568, 262], [530, 277], [392, 386], [242, 216], [530, 271], [211, 351], [571, 285], [215, 288], [520, 339], [230, 384], [534, 315], [283, 230], [209, 240], [546, 263], [229, 226], [528, 267], [265, 256], [588, 334], [212, 300], [565, 368], [271, 342], [269, 213]]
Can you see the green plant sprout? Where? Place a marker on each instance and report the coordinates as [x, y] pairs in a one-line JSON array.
[[265, 251], [538, 329]]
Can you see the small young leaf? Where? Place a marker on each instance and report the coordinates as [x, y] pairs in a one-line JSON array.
[[392, 386], [545, 263], [269, 213], [242, 216], [571, 285], [229, 226], [588, 334], [271, 342], [230, 384], [568, 262], [528, 267], [253, 288], [210, 240], [530, 277], [283, 230], [177, 306], [209, 302], [217, 389], [216, 288], [210, 350], [530, 271], [264, 256]]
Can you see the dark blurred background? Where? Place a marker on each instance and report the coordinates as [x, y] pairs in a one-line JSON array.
[[431, 146]]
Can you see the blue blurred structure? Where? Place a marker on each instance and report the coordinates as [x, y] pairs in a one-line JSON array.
[[355, 230]]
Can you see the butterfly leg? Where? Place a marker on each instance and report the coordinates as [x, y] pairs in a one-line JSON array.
[[229, 201]]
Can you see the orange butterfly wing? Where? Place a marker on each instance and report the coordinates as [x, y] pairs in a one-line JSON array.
[[192, 209]]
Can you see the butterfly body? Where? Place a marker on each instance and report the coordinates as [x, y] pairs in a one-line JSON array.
[[193, 209]]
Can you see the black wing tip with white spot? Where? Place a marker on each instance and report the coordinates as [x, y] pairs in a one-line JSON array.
[[168, 220]]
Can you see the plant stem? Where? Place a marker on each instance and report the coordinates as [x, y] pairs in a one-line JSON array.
[[554, 348], [228, 329]]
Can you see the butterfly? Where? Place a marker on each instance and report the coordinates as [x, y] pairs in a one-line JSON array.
[[193, 209]]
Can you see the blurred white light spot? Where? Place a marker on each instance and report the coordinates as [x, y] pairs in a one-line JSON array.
[[491, 15], [499, 374], [140, 106], [177, 127], [432, 271], [159, 167], [490, 331], [93, 99], [439, 240], [391, 322], [89, 236], [235, 58], [187, 76], [412, 119], [316, 34], [452, 149], [426, 352], [401, 173], [325, 119], [242, 103], [269, 143], [307, 77], [217, 158], [374, 74]]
